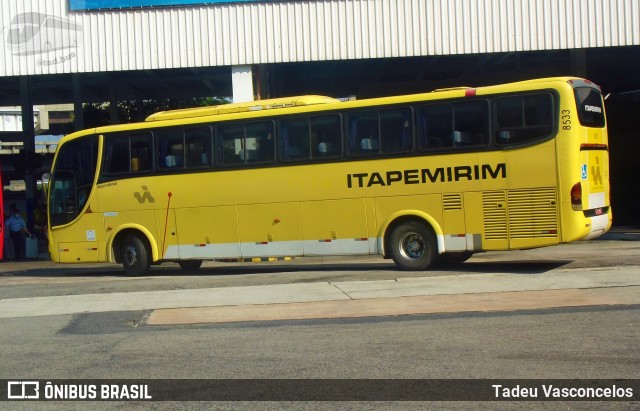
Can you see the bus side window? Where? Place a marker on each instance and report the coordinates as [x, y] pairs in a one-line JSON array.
[[170, 149], [198, 147], [117, 154], [232, 142], [519, 119], [435, 127], [128, 154], [470, 124], [326, 137], [364, 138], [259, 143], [396, 131], [141, 152], [538, 112], [294, 139]]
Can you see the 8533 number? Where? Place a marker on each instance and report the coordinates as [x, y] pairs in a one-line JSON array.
[[565, 119]]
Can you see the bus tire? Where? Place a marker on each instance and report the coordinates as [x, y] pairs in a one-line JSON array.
[[413, 246], [136, 259], [189, 265]]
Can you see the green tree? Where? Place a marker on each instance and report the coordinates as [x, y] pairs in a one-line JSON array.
[[97, 114]]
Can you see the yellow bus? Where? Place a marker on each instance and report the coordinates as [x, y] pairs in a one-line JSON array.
[[421, 179]]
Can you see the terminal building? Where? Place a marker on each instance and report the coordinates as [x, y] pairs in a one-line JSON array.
[[94, 51]]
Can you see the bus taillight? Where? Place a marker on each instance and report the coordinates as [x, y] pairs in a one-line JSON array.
[[576, 196]]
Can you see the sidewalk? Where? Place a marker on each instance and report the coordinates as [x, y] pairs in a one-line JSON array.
[[617, 285]]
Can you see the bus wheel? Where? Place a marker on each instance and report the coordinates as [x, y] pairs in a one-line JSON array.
[[135, 256], [190, 265], [413, 246]]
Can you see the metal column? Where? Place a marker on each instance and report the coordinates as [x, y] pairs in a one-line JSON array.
[[29, 152]]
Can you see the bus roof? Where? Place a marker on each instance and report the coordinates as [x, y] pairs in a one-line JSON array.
[[260, 108], [241, 107]]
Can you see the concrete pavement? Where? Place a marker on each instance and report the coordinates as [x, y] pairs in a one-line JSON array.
[[394, 306], [615, 285]]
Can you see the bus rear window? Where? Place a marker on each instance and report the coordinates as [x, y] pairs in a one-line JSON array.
[[590, 107]]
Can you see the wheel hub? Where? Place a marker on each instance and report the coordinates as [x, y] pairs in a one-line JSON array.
[[131, 256], [412, 246]]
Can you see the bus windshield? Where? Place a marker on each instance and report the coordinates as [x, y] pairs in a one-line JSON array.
[[62, 207], [72, 179]]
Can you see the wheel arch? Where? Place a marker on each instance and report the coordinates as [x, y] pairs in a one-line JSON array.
[[409, 215], [116, 241]]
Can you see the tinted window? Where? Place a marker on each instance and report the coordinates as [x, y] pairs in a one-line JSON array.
[[590, 107], [232, 140], [435, 124], [470, 124], [519, 119], [198, 147], [396, 131], [447, 126], [380, 132], [116, 156], [141, 149], [128, 154], [170, 149], [326, 137], [189, 148], [72, 179], [259, 143], [79, 156], [310, 138], [252, 143], [295, 139], [364, 134]]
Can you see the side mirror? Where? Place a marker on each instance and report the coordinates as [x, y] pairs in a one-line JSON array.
[[43, 187]]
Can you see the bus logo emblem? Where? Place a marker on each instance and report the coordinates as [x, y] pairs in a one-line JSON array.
[[144, 196], [596, 173], [23, 390], [584, 172]]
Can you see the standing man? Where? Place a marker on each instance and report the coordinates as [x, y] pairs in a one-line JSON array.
[[16, 226]]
